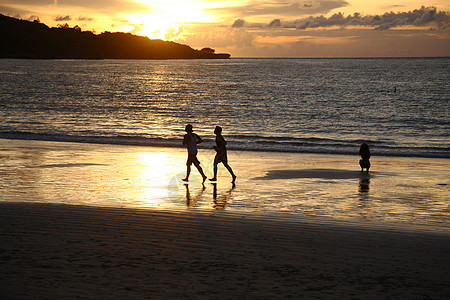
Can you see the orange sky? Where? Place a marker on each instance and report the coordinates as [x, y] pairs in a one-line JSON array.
[[276, 28]]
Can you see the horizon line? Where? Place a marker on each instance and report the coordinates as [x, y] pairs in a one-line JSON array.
[[337, 57]]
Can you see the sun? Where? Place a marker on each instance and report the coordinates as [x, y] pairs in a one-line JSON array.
[[159, 27], [164, 19]]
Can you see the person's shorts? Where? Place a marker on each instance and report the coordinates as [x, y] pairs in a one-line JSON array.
[[192, 159], [221, 157]]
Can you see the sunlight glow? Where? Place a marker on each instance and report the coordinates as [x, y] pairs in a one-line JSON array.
[[163, 20], [159, 27], [155, 175]]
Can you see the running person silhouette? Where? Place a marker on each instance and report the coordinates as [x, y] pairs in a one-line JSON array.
[[191, 140], [221, 155]]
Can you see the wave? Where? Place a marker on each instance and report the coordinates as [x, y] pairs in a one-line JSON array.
[[94, 139], [248, 143]]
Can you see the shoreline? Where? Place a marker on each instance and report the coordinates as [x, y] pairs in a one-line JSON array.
[[151, 144], [63, 251]]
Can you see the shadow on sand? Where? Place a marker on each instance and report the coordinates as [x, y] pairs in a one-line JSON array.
[[316, 173]]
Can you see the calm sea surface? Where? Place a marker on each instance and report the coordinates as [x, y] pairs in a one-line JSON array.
[[400, 107]]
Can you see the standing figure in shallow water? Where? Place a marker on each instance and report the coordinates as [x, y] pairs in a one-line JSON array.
[[221, 155], [191, 140], [364, 152]]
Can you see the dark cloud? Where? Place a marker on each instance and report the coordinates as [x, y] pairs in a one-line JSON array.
[[275, 23], [424, 16], [81, 18], [239, 23], [63, 18], [33, 18]]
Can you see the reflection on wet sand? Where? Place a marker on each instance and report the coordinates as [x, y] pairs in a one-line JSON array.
[[364, 185], [310, 173], [192, 200], [221, 200]]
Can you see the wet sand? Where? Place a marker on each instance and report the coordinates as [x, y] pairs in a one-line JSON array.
[[51, 251], [397, 190]]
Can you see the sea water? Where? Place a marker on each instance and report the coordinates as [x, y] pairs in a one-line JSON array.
[[399, 106]]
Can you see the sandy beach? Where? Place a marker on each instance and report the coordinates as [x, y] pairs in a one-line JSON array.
[[101, 221]]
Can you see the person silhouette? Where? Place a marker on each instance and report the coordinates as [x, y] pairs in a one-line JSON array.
[[364, 152], [221, 155], [190, 140]]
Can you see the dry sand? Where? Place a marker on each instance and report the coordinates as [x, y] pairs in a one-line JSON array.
[[51, 251]]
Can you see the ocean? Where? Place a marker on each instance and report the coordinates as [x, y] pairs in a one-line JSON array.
[[399, 106]]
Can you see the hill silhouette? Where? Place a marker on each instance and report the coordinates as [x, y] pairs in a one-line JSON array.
[[25, 39]]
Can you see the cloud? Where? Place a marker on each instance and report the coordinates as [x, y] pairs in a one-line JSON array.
[[284, 8], [104, 7], [28, 2], [275, 23], [239, 23], [61, 18], [420, 17], [15, 12], [275, 38], [33, 18], [425, 16], [350, 43], [172, 33], [220, 38], [81, 18]]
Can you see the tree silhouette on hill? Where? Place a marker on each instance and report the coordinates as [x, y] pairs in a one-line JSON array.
[[25, 39]]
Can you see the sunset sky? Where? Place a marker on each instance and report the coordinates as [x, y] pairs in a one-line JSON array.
[[254, 28]]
